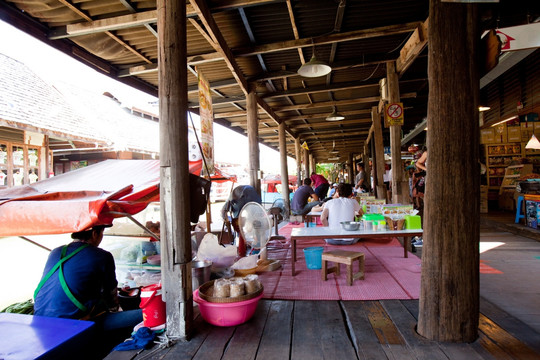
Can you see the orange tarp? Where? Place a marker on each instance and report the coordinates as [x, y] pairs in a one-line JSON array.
[[82, 198]]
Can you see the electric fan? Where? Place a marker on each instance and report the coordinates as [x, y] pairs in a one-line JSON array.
[[255, 227]]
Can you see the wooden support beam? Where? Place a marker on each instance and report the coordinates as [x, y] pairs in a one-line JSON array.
[[298, 154], [379, 153], [284, 169], [328, 39], [450, 288], [103, 25], [253, 141], [221, 46], [395, 139], [174, 193], [412, 48]]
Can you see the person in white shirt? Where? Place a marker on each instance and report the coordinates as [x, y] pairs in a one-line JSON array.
[[342, 208]]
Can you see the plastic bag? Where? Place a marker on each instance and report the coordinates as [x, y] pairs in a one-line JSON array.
[[248, 262], [220, 256]]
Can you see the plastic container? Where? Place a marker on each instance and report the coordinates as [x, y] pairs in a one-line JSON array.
[[370, 220], [413, 222], [226, 314], [152, 305], [313, 257], [200, 273]]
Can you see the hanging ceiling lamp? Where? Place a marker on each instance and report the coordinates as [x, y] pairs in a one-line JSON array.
[[314, 67], [335, 116], [533, 143]]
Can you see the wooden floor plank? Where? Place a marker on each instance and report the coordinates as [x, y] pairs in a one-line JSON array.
[[514, 326], [214, 345], [391, 340], [334, 337], [406, 325], [305, 336], [275, 343], [366, 341], [512, 346], [181, 349], [245, 341], [412, 306], [319, 332]]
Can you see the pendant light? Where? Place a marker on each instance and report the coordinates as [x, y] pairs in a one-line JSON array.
[[314, 67], [335, 116], [533, 143]]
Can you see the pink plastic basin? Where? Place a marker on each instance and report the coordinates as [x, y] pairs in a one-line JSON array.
[[226, 314]]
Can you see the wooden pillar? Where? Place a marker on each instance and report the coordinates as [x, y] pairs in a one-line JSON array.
[[449, 295], [351, 169], [298, 154], [253, 141], [306, 163], [174, 173], [367, 168], [284, 168], [379, 153], [312, 164], [395, 136]]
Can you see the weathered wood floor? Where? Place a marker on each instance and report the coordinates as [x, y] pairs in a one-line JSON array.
[[312, 330]]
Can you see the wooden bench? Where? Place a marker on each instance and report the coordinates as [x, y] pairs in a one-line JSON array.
[[343, 257], [323, 232]]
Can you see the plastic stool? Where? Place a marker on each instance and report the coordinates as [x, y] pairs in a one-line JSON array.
[[519, 215]]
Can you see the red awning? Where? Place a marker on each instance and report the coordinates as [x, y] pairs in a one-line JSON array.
[[79, 199]]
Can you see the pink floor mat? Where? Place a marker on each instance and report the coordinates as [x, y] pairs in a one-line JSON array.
[[388, 275]]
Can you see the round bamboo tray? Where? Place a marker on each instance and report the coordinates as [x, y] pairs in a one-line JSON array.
[[206, 292]]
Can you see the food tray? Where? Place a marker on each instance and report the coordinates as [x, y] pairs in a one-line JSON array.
[[207, 289]]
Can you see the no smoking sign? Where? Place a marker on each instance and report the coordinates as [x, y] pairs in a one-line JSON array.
[[393, 114]]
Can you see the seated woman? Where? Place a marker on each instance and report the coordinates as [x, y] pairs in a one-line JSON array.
[[342, 208], [85, 288]]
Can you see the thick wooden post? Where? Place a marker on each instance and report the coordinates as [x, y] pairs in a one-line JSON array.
[[395, 136], [298, 154], [351, 169], [306, 163], [284, 168], [253, 141], [379, 153], [449, 296], [312, 164], [174, 192], [367, 168]]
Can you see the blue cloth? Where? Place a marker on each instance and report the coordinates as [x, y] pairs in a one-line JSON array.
[[90, 275], [142, 338]]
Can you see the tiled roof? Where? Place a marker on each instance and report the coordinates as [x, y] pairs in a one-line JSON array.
[[27, 102]]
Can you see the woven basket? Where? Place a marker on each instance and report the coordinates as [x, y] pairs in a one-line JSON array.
[[206, 292]]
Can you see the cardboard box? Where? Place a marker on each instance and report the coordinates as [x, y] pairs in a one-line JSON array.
[[487, 136], [514, 133]]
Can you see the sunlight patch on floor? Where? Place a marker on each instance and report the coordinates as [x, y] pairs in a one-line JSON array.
[[488, 245]]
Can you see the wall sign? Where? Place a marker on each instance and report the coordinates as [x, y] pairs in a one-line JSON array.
[[393, 114]]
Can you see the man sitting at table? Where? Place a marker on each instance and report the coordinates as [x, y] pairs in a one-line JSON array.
[[299, 203], [342, 208]]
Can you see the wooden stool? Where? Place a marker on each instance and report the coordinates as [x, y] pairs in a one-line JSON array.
[[343, 257]]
